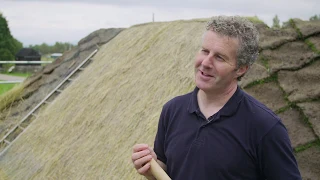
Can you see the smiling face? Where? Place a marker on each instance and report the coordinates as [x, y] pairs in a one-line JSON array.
[[216, 64]]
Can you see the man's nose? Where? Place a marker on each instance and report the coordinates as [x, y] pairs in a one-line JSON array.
[[207, 62]]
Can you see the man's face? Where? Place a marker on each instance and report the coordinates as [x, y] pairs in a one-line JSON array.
[[215, 64]]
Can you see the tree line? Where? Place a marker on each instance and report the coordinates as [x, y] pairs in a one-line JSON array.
[[58, 47], [9, 46]]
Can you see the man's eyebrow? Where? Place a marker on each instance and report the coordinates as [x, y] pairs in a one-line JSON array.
[[219, 53]]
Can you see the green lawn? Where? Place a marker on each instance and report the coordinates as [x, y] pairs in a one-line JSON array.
[[17, 74], [5, 87], [46, 57]]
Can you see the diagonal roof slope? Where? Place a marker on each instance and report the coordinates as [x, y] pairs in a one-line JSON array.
[[89, 130], [34, 89]]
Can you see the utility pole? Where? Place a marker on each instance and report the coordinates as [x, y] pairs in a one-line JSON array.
[[152, 17]]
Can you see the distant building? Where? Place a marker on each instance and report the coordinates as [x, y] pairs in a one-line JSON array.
[[56, 55], [28, 54]]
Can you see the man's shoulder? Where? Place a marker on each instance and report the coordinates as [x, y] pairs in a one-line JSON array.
[[259, 114], [258, 108], [181, 100]]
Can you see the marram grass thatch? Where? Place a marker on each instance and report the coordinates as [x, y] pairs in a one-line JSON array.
[[89, 130]]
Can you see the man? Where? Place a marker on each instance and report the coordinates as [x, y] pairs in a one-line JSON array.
[[218, 131]]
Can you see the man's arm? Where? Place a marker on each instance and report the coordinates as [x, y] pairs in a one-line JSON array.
[[276, 158]]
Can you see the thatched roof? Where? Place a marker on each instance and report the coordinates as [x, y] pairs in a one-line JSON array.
[[89, 130], [36, 87]]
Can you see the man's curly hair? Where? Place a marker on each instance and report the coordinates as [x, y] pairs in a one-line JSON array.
[[244, 30]]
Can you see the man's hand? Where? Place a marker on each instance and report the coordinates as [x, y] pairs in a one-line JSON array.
[[141, 157]]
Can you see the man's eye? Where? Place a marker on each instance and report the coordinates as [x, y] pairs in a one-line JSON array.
[[220, 58]]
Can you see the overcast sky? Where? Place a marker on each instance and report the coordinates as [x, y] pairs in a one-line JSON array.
[[35, 22]]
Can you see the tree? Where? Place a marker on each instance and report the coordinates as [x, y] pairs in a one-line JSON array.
[[315, 18], [9, 46], [276, 22], [18, 45], [5, 55]]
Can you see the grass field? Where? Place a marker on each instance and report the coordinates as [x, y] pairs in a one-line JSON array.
[[46, 57], [17, 74], [5, 87]]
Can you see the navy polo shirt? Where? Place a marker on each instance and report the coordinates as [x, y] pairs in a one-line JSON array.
[[244, 140]]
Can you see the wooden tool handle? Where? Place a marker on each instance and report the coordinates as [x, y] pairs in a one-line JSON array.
[[157, 171]]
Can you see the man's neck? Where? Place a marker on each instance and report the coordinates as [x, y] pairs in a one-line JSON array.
[[211, 102]]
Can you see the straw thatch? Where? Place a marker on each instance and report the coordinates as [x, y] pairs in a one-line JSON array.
[[89, 130], [17, 103]]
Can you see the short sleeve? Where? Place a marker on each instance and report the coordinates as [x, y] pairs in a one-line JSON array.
[[160, 138], [276, 158]]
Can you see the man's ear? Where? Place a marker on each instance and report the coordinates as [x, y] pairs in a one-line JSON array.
[[242, 70]]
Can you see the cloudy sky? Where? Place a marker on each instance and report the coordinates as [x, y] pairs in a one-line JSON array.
[[35, 22]]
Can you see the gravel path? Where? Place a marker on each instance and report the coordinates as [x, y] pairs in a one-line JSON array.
[[5, 77]]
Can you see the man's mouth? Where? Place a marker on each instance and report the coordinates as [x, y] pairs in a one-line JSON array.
[[205, 74]]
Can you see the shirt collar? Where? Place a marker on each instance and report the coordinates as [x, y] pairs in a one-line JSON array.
[[193, 103], [227, 110]]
